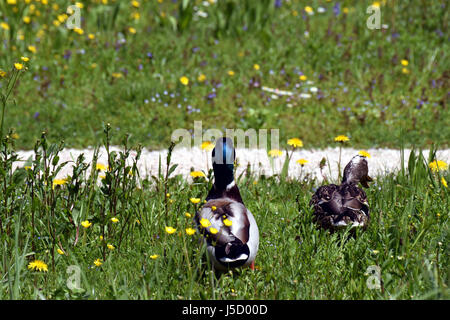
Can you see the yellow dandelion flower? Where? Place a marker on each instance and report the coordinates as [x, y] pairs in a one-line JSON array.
[[91, 36], [60, 251], [59, 182], [341, 138], [167, 195], [135, 3], [79, 31], [201, 77], [438, 165], [256, 66], [18, 66], [31, 48], [4, 25], [27, 168], [213, 208], [205, 223], [26, 19], [444, 182], [227, 222], [132, 30], [170, 230], [117, 75], [194, 200], [302, 162], [345, 10], [230, 73], [79, 5], [2, 73], [197, 174], [101, 167], [114, 220], [86, 224], [110, 246], [274, 153], [136, 15], [207, 145], [376, 4], [213, 230], [303, 77], [100, 238], [62, 17], [404, 62], [15, 136], [25, 59], [295, 142], [187, 215], [309, 10], [184, 80], [190, 231], [375, 251], [98, 263], [405, 70], [38, 265], [11, 2], [154, 256], [364, 153]]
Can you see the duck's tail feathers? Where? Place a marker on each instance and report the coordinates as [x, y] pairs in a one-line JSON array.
[[233, 254]]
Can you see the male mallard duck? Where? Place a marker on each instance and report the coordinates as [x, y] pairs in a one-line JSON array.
[[229, 228], [336, 206]]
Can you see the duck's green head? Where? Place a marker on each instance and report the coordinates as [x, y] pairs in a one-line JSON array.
[[223, 157]]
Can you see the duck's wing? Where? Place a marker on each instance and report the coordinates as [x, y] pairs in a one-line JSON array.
[[324, 200], [355, 199], [229, 218], [326, 205]]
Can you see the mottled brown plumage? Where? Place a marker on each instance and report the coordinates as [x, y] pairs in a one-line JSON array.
[[339, 206]]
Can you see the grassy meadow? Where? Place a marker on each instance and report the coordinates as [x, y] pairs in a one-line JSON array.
[[113, 226], [136, 70], [125, 63]]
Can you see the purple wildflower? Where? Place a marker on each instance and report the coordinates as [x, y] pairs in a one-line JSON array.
[[337, 9], [67, 54]]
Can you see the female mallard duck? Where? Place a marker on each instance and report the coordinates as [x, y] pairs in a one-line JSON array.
[[336, 206], [228, 227]]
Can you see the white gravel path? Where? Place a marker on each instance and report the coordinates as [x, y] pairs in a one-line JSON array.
[[382, 161]]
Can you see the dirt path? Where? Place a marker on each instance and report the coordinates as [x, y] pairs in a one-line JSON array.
[[382, 161]]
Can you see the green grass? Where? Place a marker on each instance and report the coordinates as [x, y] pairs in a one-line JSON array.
[[61, 98], [363, 92], [407, 238]]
